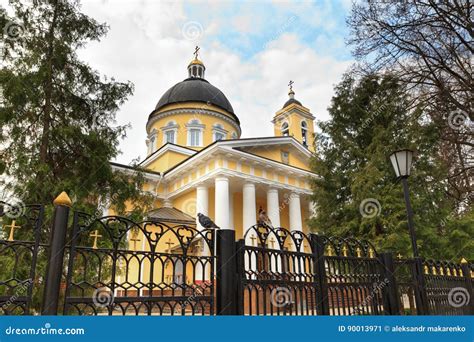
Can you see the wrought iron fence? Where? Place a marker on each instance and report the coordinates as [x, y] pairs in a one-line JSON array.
[[20, 253], [120, 267], [115, 266]]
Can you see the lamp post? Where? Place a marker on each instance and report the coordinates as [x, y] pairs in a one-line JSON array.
[[401, 162]]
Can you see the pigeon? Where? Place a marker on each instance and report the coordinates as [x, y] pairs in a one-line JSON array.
[[206, 222], [263, 218]]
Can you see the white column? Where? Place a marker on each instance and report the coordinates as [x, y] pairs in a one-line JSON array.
[[221, 214], [273, 212], [202, 206], [202, 202], [231, 210], [295, 213], [249, 208], [249, 220], [273, 207], [296, 224]]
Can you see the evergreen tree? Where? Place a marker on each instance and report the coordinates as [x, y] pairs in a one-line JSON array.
[[58, 114], [356, 193]]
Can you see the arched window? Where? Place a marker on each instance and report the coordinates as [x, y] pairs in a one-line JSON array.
[[304, 132], [195, 130], [170, 132], [234, 135], [151, 141], [285, 129], [218, 132]]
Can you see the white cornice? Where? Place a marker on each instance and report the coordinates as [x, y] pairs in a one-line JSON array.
[[231, 173], [148, 175], [269, 141], [224, 117], [225, 148], [166, 148]]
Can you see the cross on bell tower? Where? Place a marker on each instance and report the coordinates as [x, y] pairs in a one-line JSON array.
[[196, 68]]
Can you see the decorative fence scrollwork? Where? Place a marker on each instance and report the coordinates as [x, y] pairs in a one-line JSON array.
[[120, 267]]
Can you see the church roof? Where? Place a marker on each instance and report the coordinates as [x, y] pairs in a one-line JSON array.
[[195, 89], [290, 101], [171, 215]]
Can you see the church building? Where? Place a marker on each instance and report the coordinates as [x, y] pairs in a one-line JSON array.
[[197, 161]]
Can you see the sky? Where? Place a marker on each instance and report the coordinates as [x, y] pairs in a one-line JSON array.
[[251, 50]]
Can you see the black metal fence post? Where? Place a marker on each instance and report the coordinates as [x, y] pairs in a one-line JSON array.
[[322, 302], [466, 271], [390, 290], [421, 298], [54, 267], [226, 301]]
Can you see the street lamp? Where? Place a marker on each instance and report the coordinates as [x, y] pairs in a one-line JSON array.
[[401, 162]]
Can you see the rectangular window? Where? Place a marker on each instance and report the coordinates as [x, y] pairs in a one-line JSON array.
[[194, 137], [170, 136], [218, 136]]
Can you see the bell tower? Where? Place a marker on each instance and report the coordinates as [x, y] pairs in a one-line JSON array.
[[295, 120]]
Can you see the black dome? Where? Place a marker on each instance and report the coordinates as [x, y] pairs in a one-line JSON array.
[[290, 101], [195, 90]]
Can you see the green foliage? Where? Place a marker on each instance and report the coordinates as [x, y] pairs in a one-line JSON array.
[[370, 118], [58, 114]]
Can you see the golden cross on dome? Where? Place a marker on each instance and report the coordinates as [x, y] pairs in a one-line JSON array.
[[95, 235], [196, 52], [12, 227], [169, 243], [291, 85], [272, 241]]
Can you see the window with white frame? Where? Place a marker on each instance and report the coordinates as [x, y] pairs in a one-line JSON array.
[[218, 132], [234, 135], [304, 132], [151, 141], [285, 131], [195, 131], [170, 132]]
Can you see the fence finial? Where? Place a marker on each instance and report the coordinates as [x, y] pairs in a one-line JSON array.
[[463, 261], [63, 199]]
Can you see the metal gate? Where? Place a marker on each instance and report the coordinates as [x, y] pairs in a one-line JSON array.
[[120, 267], [283, 272]]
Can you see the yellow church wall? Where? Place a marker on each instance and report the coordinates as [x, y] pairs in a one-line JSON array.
[[294, 124], [186, 203], [274, 153], [238, 215], [166, 161], [183, 119]]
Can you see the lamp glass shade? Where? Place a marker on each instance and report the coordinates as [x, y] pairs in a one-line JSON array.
[[401, 162]]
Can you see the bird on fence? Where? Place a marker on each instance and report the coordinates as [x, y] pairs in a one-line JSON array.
[[263, 218], [206, 222]]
